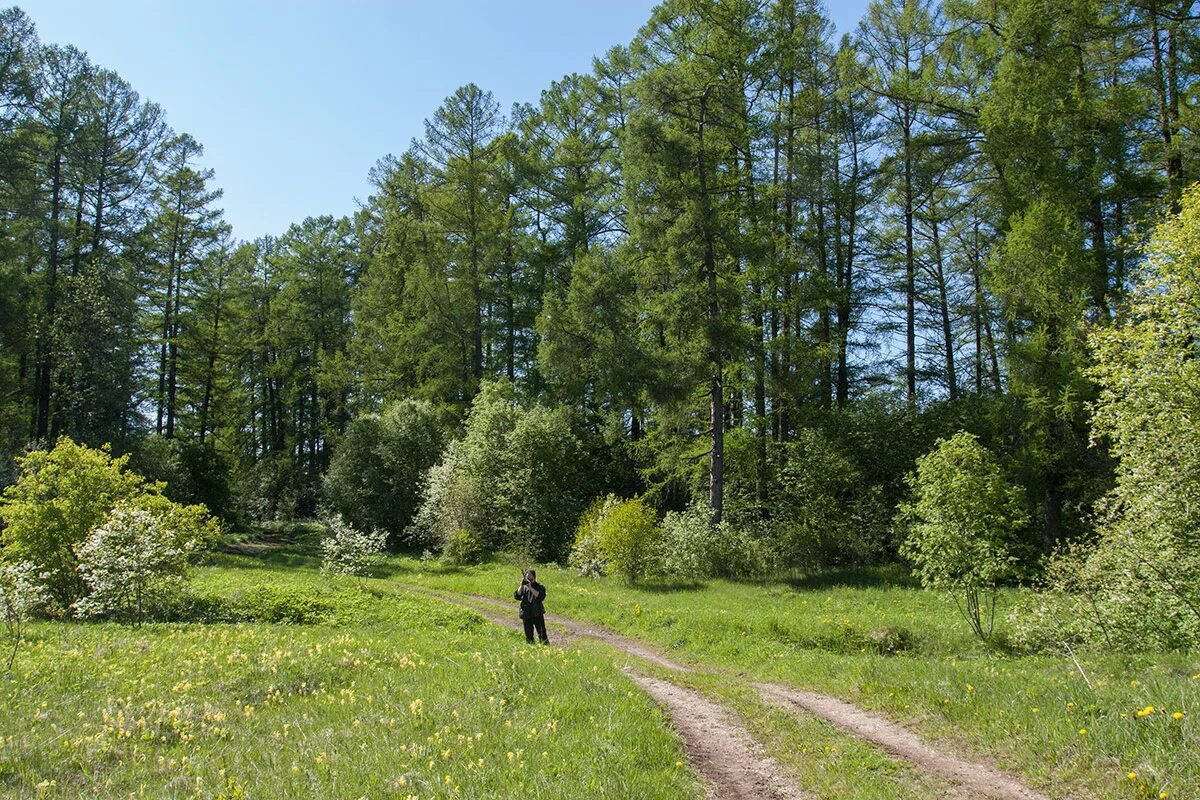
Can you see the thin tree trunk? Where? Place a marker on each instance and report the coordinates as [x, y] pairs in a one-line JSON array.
[[46, 364], [716, 486], [910, 273], [944, 308]]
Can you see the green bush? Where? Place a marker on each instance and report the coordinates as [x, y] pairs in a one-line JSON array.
[[461, 549], [693, 548], [627, 537], [585, 554], [192, 606], [63, 494], [192, 473], [517, 480], [960, 525], [374, 479], [1137, 586], [827, 510], [269, 489]]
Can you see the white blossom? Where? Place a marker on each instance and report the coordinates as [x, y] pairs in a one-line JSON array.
[[349, 551], [130, 563]]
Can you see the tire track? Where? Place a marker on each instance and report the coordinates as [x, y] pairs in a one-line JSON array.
[[711, 737]]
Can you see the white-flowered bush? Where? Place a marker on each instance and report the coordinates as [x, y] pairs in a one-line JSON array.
[[22, 592], [349, 551], [133, 565], [693, 548]]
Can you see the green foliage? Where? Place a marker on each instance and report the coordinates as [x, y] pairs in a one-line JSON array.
[[1138, 585], [585, 553], [374, 479], [694, 548], [461, 549], [269, 489], [63, 494], [191, 473], [960, 525], [516, 480], [282, 604], [59, 498], [828, 512], [626, 536]]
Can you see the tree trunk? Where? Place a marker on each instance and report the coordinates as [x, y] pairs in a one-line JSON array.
[[46, 363], [944, 308], [910, 274], [716, 485]]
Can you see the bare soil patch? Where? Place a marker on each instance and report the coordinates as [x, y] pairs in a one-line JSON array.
[[718, 748]]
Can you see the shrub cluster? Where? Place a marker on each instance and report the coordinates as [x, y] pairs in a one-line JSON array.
[[374, 479], [516, 481], [1136, 584], [79, 515], [694, 548], [623, 537]]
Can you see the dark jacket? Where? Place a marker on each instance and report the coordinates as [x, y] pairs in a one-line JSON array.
[[531, 597]]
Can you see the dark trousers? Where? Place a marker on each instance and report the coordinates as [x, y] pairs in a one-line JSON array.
[[533, 623]]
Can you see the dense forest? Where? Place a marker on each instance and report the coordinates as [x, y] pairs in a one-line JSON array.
[[744, 263]]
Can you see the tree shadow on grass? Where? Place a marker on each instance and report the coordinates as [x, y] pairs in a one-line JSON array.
[[887, 576], [670, 587]]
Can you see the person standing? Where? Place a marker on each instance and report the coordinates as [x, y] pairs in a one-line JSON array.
[[531, 594]]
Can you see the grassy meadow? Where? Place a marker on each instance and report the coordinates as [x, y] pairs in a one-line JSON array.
[[346, 687], [384, 694], [1037, 716]]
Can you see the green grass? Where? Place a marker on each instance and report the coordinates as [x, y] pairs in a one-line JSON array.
[[1034, 715], [395, 695], [111, 711]]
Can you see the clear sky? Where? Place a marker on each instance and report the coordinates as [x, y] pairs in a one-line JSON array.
[[295, 101]]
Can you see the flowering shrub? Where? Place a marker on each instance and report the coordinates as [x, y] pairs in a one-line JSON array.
[[692, 547], [349, 551], [21, 593], [131, 564], [63, 495]]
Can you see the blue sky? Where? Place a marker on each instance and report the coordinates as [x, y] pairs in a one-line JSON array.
[[295, 101]]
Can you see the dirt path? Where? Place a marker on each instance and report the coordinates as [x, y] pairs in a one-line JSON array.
[[976, 780], [722, 751], [718, 747]]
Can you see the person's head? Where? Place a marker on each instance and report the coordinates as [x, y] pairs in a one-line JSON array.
[[530, 575]]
